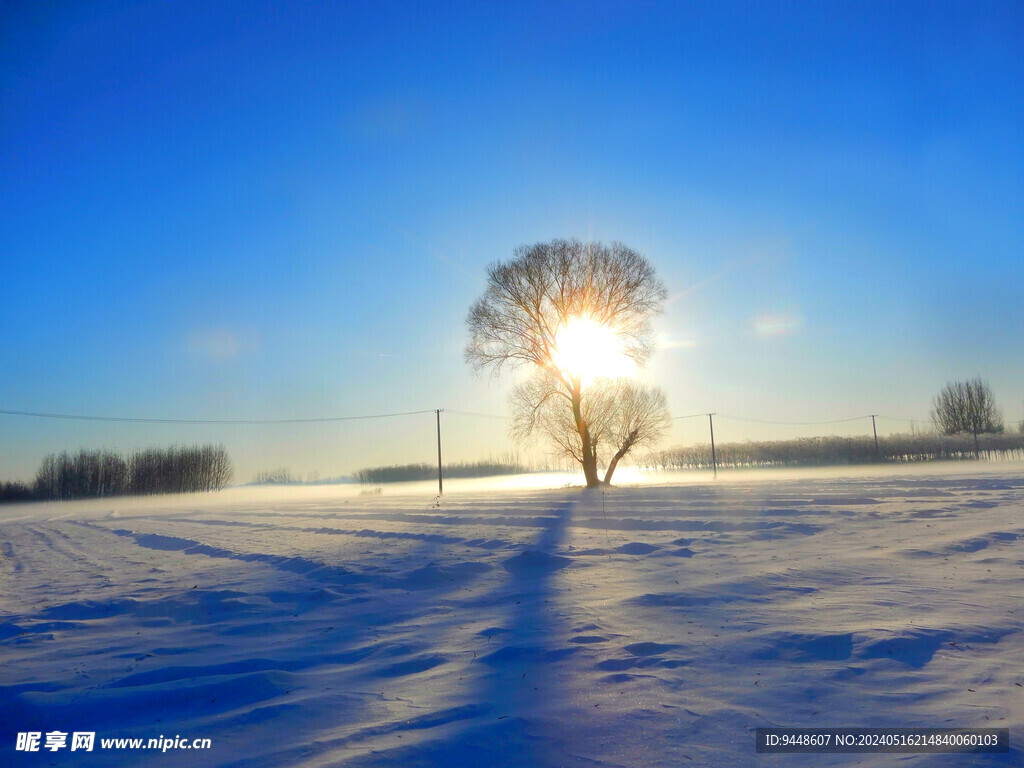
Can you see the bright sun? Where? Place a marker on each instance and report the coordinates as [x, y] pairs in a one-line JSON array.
[[588, 349]]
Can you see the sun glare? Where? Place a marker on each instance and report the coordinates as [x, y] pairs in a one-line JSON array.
[[588, 349]]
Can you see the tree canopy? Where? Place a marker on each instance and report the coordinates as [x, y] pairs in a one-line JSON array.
[[551, 296], [546, 286]]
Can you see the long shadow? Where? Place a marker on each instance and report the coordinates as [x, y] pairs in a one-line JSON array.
[[522, 684], [519, 690]]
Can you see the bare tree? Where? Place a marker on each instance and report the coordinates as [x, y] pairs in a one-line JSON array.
[[543, 289], [621, 414], [638, 419], [966, 406]]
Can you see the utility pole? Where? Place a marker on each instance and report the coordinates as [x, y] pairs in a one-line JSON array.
[[714, 461], [440, 483], [875, 430]]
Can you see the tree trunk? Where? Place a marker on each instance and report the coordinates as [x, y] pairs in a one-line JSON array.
[[590, 469], [625, 448], [589, 454], [611, 467]]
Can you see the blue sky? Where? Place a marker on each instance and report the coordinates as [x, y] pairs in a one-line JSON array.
[[255, 210]]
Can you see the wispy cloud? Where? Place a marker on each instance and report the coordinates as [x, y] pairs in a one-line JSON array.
[[775, 324]]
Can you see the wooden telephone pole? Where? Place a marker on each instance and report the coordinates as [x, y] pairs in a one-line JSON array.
[[714, 461], [440, 482]]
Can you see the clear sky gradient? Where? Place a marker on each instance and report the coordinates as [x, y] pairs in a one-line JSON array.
[[259, 210]]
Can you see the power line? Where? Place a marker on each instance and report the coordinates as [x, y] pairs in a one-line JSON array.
[[79, 417], [207, 421], [792, 423], [477, 415], [725, 416]]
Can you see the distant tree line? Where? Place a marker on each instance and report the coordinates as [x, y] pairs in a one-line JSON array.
[[282, 476], [409, 472], [93, 474], [285, 476], [15, 491], [828, 451]]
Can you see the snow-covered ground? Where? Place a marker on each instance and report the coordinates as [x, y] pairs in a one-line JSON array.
[[646, 626]]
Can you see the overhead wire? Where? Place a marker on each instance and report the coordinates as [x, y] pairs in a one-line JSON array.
[[140, 420], [78, 417], [477, 415], [791, 423]]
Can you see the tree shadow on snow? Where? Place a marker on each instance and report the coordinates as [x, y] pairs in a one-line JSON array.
[[520, 688]]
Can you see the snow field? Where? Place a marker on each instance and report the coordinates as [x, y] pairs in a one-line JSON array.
[[654, 626]]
